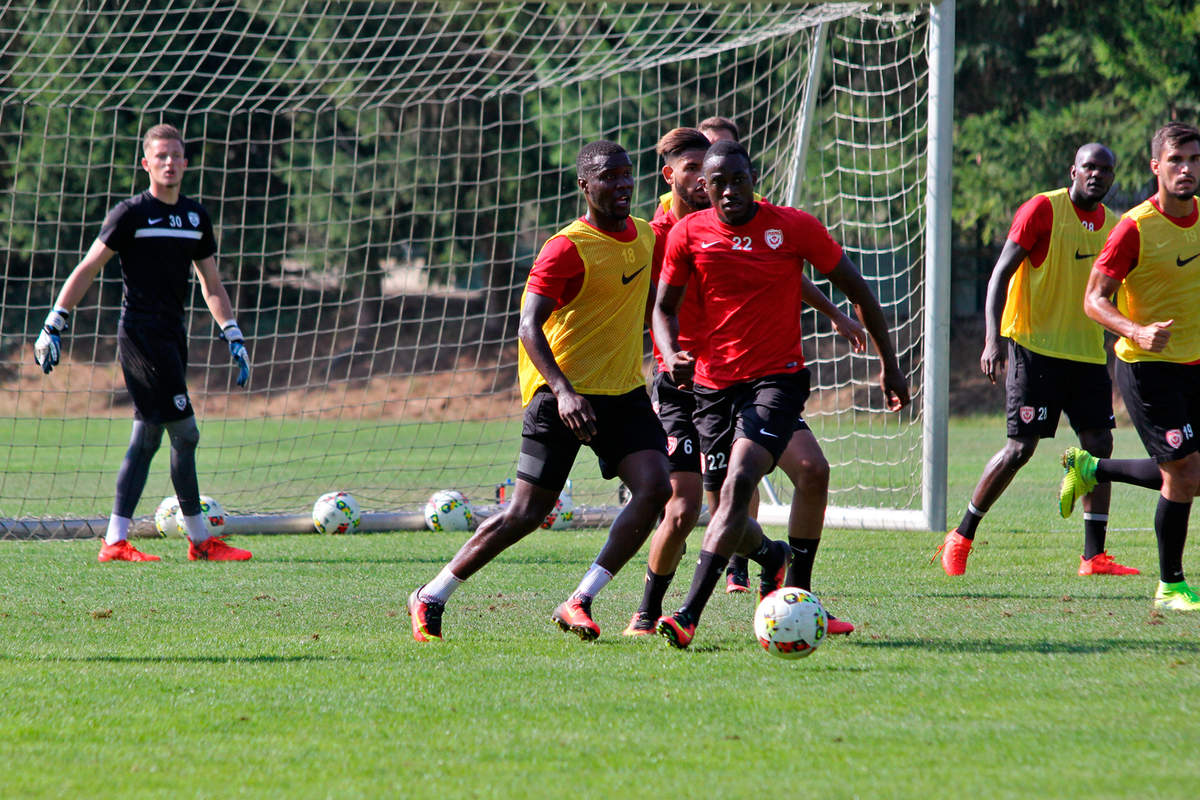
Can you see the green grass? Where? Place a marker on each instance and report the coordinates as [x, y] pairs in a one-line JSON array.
[[293, 675]]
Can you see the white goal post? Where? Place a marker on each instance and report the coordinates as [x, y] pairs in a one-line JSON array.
[[381, 176]]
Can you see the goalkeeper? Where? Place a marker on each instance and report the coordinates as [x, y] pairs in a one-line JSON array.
[[159, 235]]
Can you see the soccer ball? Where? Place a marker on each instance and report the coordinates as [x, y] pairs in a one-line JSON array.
[[164, 516], [790, 623], [336, 512], [449, 511], [213, 513], [562, 515]]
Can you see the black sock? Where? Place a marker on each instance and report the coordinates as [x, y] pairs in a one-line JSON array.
[[763, 551], [1142, 472], [970, 522], [804, 552], [1170, 526], [708, 572], [738, 564], [1095, 531], [653, 593]]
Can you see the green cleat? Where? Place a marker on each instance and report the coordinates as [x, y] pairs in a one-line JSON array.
[[1176, 597], [1080, 466]]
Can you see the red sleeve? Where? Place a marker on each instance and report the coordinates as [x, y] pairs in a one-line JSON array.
[[1119, 255], [677, 258], [661, 228], [557, 272], [819, 248], [1032, 223]]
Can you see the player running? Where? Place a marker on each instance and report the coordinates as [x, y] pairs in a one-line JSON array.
[[1151, 263], [1056, 357], [742, 259], [160, 235], [683, 150], [580, 366]]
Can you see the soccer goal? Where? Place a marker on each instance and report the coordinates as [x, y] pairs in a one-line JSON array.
[[381, 176]]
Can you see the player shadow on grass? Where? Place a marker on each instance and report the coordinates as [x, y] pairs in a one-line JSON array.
[[1000, 646], [1049, 598]]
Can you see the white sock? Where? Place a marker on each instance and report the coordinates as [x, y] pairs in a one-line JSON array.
[[118, 529], [595, 579], [440, 588], [197, 530]]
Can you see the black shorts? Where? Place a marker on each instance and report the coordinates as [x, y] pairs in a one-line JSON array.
[[154, 361], [1163, 401], [675, 408], [1039, 388], [764, 410], [625, 424]]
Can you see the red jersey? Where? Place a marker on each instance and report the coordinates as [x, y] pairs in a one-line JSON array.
[[748, 279], [691, 310]]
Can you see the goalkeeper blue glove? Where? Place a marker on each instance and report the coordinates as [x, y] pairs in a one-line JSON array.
[[232, 334], [48, 346]]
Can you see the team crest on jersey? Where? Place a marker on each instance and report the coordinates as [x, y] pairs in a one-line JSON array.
[[1026, 414], [194, 218], [180, 401], [1174, 438], [672, 443], [774, 238]]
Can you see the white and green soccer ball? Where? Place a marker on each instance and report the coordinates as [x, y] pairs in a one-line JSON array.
[[211, 511], [336, 512], [449, 511], [790, 623], [164, 516]]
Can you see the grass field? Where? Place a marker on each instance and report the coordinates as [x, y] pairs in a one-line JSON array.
[[293, 675]]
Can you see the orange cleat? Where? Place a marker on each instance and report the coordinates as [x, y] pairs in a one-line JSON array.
[[679, 634], [954, 549], [123, 551], [575, 616], [426, 617], [641, 625], [215, 549], [1103, 564], [839, 627]]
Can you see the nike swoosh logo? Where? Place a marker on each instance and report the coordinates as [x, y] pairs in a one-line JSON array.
[[153, 221], [706, 245], [627, 278], [1183, 262], [1079, 256], [766, 432]]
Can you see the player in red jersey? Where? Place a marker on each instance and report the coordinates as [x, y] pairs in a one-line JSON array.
[[1055, 354], [683, 150], [160, 236], [742, 258]]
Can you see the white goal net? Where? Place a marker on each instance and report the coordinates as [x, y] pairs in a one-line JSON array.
[[381, 176]]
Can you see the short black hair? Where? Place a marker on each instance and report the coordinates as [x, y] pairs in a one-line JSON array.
[[1174, 134], [585, 162], [678, 141], [724, 147]]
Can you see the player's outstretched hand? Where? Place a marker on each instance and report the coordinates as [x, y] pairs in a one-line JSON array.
[[991, 361], [895, 389], [852, 330], [232, 334], [48, 347], [577, 414]]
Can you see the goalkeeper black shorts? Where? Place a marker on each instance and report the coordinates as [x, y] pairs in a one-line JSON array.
[[154, 361]]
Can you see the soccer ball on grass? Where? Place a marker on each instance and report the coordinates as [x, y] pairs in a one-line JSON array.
[[164, 516], [790, 623], [449, 511], [211, 511], [336, 512]]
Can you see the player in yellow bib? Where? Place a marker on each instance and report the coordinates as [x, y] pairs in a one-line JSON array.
[[1055, 353], [1151, 264], [580, 367]]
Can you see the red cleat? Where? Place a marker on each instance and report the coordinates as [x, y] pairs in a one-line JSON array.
[[575, 616], [1102, 564], [839, 627], [426, 617], [641, 625], [774, 570], [123, 551], [954, 549], [677, 633], [215, 549]]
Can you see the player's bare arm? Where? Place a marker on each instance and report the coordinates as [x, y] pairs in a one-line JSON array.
[[81, 278], [992, 361], [848, 279], [575, 410], [1098, 305], [847, 327], [215, 296], [680, 364]]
